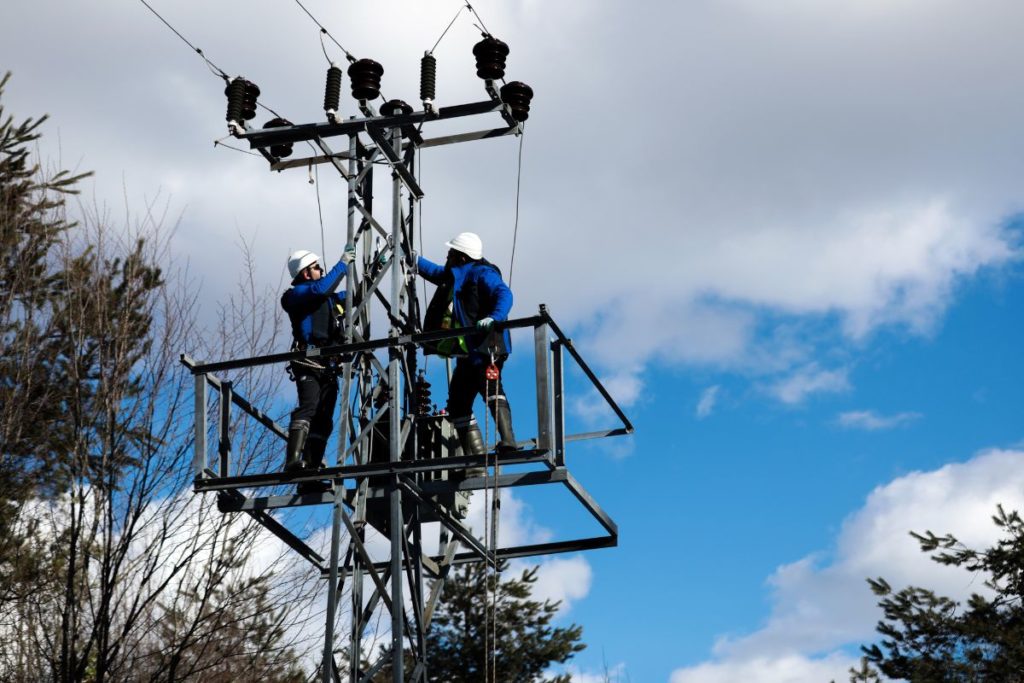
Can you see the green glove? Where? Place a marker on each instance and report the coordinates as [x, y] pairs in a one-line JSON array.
[[349, 255]]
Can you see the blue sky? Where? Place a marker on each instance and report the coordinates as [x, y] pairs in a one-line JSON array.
[[786, 234]]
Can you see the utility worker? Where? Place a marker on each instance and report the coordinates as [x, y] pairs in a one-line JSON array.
[[471, 293], [315, 305]]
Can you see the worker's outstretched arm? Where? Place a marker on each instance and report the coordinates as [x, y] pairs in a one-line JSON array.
[[430, 271]]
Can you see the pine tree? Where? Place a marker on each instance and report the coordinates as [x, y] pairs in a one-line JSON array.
[[101, 539], [32, 223], [929, 637], [527, 642]]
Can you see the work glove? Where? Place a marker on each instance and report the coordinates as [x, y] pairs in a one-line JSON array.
[[484, 324], [349, 255]]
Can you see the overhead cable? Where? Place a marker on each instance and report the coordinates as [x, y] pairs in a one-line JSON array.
[[323, 30], [213, 67], [443, 33], [217, 71], [483, 27]]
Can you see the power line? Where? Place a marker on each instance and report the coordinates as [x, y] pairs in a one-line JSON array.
[[483, 27], [216, 69], [443, 33], [323, 30]]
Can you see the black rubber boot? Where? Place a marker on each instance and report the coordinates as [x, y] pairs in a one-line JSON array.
[[293, 461], [472, 444], [315, 448], [503, 418]]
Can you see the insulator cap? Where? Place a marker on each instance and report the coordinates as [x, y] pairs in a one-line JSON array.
[[490, 58], [365, 77], [428, 77], [395, 108], [285, 148], [517, 96], [332, 92]]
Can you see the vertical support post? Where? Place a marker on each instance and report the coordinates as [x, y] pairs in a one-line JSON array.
[[332, 591], [343, 420], [558, 375], [395, 424], [199, 454], [544, 417], [224, 445], [359, 512]]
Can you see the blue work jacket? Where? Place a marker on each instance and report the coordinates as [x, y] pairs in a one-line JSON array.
[[477, 292], [315, 308]]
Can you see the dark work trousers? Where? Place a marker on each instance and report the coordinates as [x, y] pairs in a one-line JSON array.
[[318, 394], [468, 381]]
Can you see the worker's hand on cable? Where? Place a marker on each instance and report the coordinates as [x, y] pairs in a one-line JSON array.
[[349, 255], [484, 324]]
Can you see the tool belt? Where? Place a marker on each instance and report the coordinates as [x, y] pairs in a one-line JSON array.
[[326, 368]]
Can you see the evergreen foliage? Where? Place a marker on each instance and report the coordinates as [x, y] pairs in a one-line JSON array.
[[527, 642], [929, 637], [108, 570], [32, 224]]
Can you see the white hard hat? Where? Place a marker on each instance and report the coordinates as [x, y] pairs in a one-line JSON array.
[[299, 260], [468, 243]]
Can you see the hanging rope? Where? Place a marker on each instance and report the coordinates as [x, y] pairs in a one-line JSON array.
[[487, 540], [315, 181], [492, 510], [515, 229]]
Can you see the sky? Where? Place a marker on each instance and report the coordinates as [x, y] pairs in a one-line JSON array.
[[786, 234]]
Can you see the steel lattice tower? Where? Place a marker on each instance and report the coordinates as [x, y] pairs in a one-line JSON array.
[[403, 468]]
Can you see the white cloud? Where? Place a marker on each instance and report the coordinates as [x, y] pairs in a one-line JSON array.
[[707, 401], [560, 579], [609, 674], [808, 380], [859, 200], [820, 605], [788, 668], [872, 421]]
